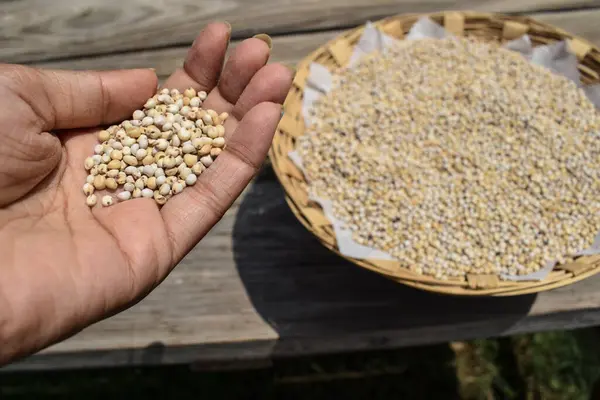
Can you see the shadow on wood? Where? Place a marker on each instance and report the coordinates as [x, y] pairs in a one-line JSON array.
[[305, 291]]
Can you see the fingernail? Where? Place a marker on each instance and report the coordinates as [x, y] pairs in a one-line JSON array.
[[228, 25], [265, 38]]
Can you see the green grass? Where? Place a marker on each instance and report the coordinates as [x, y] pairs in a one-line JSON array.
[[549, 366]]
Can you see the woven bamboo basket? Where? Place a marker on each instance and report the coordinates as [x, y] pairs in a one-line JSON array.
[[336, 53]]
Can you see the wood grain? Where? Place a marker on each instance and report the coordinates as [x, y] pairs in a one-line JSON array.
[[34, 30], [289, 49], [260, 286]]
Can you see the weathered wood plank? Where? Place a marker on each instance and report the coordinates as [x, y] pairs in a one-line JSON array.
[[286, 49], [33, 30], [260, 286], [290, 49]]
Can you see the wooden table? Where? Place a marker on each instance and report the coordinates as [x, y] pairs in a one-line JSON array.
[[259, 285]]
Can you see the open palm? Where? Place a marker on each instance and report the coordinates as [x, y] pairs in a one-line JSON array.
[[65, 265]]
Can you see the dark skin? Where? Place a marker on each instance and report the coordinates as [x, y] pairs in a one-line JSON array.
[[65, 266]]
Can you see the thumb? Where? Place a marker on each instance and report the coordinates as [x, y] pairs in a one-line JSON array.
[[79, 99]]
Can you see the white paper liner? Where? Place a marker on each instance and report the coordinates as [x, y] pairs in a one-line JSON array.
[[555, 57]]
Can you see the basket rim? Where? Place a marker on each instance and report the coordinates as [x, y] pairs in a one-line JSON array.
[[463, 287]]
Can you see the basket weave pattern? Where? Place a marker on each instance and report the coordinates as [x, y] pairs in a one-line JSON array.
[[335, 54]]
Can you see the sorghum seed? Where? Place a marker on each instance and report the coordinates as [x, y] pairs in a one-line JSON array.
[[148, 160], [160, 180], [147, 193], [103, 136], [151, 183], [123, 196], [88, 189], [130, 160], [91, 200], [111, 183], [177, 188], [116, 155], [121, 178], [206, 160], [198, 168], [99, 182], [138, 115], [218, 142], [89, 163], [165, 189], [190, 159], [159, 198], [191, 179], [205, 150], [114, 164], [107, 201], [171, 172]]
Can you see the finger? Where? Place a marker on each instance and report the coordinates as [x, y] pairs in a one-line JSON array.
[[204, 60], [190, 215], [245, 61], [78, 99], [271, 83]]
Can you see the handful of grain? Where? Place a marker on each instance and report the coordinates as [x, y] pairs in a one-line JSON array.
[[457, 156], [157, 153]]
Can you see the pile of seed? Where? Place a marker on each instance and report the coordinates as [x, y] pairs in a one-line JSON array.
[[457, 156], [157, 153]]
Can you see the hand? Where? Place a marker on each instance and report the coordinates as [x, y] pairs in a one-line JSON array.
[[64, 265]]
